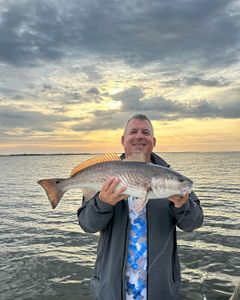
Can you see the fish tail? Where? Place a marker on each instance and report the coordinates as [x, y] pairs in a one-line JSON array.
[[53, 190]]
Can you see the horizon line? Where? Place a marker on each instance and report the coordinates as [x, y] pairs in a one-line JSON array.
[[99, 153]]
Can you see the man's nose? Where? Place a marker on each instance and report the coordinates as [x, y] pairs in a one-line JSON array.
[[139, 134]]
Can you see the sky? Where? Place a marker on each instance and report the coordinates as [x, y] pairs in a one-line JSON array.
[[73, 72]]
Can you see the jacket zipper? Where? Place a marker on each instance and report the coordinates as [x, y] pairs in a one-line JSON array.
[[123, 297], [147, 248]]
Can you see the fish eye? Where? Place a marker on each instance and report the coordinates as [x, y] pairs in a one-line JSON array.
[[181, 179]]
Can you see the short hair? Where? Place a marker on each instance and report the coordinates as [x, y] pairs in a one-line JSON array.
[[140, 117]]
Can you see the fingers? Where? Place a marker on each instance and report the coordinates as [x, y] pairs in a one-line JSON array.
[[109, 193], [179, 200], [175, 198], [107, 184], [113, 184], [119, 193]]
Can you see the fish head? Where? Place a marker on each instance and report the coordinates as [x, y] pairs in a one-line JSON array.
[[184, 185], [170, 183]]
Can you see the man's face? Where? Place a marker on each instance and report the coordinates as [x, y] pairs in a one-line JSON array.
[[138, 137]]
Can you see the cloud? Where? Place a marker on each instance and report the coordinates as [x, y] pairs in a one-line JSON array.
[[12, 118], [91, 71], [203, 32], [93, 91], [129, 98], [156, 108], [100, 120], [196, 80]]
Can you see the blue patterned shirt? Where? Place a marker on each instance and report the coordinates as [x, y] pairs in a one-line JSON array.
[[136, 268]]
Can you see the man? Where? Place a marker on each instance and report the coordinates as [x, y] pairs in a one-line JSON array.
[[137, 253]]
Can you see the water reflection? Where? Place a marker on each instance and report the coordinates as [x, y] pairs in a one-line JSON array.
[[45, 255]]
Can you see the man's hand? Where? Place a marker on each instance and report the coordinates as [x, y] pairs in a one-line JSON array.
[[109, 194], [178, 200]]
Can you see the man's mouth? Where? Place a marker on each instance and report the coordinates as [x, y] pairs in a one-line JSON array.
[[139, 145]]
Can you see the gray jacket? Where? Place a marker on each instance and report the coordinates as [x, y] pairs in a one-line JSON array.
[[163, 278]]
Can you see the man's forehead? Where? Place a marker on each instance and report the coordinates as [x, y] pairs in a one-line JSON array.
[[138, 124]]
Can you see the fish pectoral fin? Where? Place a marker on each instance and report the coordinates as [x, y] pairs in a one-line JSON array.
[[139, 203], [137, 157], [88, 194]]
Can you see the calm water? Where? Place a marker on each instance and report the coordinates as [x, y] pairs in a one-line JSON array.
[[45, 255]]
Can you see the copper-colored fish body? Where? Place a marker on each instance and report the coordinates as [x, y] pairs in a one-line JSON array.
[[143, 180]]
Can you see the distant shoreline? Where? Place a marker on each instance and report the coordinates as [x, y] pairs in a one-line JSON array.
[[48, 154], [97, 153]]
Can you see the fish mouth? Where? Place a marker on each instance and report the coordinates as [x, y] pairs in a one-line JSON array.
[[186, 189]]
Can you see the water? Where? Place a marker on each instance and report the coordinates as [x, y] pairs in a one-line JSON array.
[[45, 255]]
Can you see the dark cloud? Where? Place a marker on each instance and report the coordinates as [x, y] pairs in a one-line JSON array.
[[93, 91], [129, 98], [197, 80], [131, 101], [10, 92], [219, 82], [206, 32], [91, 71], [18, 97], [110, 119], [12, 118], [160, 108], [156, 108], [27, 32], [104, 120]]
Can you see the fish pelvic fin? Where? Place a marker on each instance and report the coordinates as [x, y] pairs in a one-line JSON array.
[[52, 189], [140, 202], [93, 161]]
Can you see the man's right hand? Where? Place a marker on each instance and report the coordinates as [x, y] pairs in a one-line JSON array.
[[109, 194]]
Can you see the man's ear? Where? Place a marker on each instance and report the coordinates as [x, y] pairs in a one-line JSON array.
[[154, 141], [122, 139]]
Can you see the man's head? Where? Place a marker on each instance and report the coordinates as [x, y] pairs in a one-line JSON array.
[[138, 136]]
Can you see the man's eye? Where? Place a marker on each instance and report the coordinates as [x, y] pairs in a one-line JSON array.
[[146, 132]]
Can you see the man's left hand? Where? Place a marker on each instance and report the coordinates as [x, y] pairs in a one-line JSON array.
[[178, 200]]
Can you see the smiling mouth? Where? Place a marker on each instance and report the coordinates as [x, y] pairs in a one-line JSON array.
[[139, 145]]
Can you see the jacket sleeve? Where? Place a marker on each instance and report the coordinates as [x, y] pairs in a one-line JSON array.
[[94, 215], [190, 215]]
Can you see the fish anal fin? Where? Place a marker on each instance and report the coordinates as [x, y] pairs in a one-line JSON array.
[[93, 161], [88, 194], [137, 157]]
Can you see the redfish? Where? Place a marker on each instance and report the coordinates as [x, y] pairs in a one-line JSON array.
[[143, 180]]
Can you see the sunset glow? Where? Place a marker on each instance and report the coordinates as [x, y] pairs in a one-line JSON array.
[[72, 87]]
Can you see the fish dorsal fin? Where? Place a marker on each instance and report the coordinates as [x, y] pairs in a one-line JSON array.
[[93, 161], [137, 156]]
